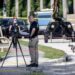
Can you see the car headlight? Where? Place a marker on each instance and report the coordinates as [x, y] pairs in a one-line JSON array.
[[69, 26], [52, 26]]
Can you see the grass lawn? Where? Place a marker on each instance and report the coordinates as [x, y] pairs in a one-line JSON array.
[[2, 54], [51, 53]]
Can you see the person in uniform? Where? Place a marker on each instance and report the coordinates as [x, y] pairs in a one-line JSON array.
[[33, 41]]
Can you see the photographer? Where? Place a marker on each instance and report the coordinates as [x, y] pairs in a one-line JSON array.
[[33, 41], [14, 31]]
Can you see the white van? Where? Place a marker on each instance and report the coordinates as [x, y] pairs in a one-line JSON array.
[[43, 18]]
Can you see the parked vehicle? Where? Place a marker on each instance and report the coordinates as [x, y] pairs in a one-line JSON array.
[[57, 30], [43, 18], [59, 27]]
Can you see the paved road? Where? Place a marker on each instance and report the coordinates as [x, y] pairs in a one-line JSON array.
[[46, 68]]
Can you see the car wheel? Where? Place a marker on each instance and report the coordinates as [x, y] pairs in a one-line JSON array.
[[73, 39]]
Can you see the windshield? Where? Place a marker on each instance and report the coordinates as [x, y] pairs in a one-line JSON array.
[[20, 22], [4, 22], [44, 15], [44, 18]]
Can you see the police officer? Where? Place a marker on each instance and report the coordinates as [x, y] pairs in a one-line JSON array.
[[33, 41]]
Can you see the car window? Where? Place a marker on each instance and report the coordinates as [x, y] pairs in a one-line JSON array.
[[20, 22], [0, 22], [10, 22], [4, 22], [44, 16]]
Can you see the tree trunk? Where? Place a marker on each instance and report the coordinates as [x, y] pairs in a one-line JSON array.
[[16, 8], [41, 5], [65, 9], [28, 7]]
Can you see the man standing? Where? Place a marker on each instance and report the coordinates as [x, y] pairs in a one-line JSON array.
[[33, 41]]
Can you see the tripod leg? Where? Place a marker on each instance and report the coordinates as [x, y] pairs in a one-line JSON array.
[[6, 54], [16, 56], [21, 52]]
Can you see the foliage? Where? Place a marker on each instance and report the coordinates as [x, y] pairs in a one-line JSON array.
[[1, 5], [70, 6], [46, 3], [10, 8], [35, 6]]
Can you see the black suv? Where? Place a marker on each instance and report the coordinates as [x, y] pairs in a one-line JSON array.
[[57, 30], [6, 22]]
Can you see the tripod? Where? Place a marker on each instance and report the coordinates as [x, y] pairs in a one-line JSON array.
[[15, 42]]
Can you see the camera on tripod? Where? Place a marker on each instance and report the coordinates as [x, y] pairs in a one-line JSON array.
[[15, 42], [15, 30], [15, 33]]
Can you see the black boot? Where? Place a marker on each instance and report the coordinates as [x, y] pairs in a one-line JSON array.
[[32, 65]]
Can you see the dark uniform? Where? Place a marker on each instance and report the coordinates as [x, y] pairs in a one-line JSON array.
[[33, 43]]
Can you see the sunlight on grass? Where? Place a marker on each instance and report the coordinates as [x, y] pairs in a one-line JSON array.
[[51, 53]]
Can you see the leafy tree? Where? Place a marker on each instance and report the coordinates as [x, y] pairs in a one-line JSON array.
[[46, 3], [10, 8], [1, 6], [70, 6], [22, 8], [35, 6]]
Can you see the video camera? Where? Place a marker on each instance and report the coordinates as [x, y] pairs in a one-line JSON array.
[[15, 34], [15, 28]]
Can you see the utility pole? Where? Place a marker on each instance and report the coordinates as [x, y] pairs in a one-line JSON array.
[[4, 8]]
